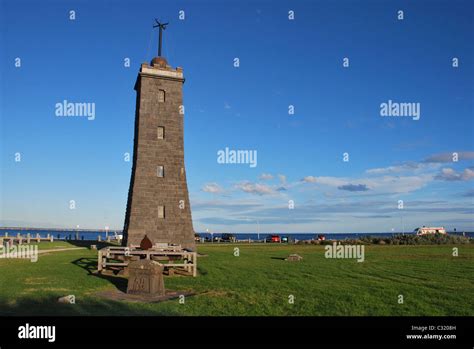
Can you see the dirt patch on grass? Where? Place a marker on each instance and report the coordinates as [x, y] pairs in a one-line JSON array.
[[45, 289], [35, 280], [215, 293], [117, 295]]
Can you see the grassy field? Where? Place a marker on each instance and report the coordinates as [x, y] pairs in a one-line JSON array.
[[258, 282]]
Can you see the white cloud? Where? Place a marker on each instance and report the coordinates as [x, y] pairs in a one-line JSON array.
[[393, 169], [282, 178], [329, 181], [468, 174], [431, 163], [213, 188], [383, 184], [448, 157], [448, 174], [309, 179], [414, 167], [397, 184], [266, 176], [255, 188]]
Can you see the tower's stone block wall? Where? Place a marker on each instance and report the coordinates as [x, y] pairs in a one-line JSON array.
[[158, 201]]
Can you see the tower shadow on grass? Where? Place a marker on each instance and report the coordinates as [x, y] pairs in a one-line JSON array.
[[49, 306], [90, 265], [88, 243], [279, 258]]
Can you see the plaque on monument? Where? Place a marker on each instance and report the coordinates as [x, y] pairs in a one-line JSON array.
[[146, 278], [146, 244]]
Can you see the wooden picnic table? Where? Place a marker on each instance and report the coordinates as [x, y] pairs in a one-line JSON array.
[[118, 252]]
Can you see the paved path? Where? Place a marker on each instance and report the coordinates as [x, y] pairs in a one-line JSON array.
[[62, 249]]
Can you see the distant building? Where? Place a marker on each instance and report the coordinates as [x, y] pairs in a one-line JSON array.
[[430, 230]]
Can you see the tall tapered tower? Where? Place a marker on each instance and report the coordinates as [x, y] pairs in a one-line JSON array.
[[158, 201]]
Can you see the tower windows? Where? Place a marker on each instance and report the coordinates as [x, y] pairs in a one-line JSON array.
[[161, 96], [160, 171], [161, 212], [161, 132]]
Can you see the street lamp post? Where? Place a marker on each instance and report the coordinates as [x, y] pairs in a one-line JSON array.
[[258, 231]]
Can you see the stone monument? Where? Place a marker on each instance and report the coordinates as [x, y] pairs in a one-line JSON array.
[[158, 201], [294, 258], [145, 278]]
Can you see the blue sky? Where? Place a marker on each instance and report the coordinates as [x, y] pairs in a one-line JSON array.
[[282, 62]]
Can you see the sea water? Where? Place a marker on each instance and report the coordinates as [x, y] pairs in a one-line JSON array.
[[93, 235]]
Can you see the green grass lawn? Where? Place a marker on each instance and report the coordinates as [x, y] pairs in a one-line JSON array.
[[258, 282], [58, 244]]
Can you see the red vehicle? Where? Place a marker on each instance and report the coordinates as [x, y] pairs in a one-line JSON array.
[[274, 238]]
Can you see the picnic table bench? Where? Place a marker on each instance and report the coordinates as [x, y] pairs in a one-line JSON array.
[[166, 255]]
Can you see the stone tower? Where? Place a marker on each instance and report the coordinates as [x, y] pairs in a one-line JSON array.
[[158, 201]]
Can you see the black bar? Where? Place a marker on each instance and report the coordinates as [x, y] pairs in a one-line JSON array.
[[340, 330]]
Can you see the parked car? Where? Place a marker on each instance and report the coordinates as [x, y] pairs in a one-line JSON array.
[[228, 237], [273, 238]]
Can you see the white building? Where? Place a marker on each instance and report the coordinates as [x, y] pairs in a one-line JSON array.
[[430, 230]]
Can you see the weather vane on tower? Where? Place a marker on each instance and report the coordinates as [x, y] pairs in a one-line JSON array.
[[161, 26]]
